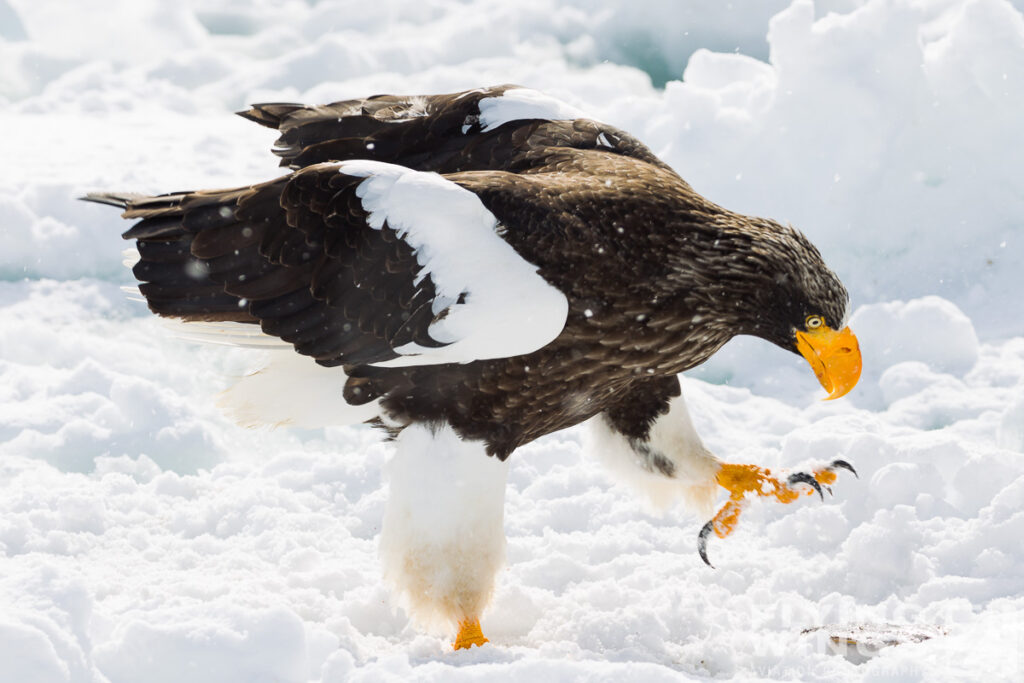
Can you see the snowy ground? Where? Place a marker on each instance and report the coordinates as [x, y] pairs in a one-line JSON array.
[[145, 538]]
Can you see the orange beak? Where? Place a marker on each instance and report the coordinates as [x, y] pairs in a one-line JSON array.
[[834, 357]]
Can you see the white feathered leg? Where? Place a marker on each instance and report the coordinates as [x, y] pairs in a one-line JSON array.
[[443, 539], [671, 464]]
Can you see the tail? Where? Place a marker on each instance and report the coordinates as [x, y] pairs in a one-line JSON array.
[[186, 240]]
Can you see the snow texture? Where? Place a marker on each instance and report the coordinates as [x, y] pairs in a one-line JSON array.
[[145, 537]]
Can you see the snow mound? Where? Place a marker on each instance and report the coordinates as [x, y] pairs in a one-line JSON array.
[[847, 132]]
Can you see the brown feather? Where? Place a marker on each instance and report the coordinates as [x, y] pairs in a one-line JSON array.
[[657, 277]]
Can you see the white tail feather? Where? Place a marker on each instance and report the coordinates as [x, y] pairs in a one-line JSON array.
[[133, 293], [293, 390], [290, 389], [243, 335]]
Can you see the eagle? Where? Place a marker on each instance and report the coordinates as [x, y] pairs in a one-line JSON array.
[[469, 272]]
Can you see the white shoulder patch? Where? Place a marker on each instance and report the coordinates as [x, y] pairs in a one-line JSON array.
[[522, 103], [507, 309]]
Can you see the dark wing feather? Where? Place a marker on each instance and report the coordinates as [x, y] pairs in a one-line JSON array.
[[294, 255], [439, 133]]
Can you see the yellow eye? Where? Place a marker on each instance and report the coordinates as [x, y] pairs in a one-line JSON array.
[[813, 322]]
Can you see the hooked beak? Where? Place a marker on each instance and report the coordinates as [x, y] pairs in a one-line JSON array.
[[834, 357]]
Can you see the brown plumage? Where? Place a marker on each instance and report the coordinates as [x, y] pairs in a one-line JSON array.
[[476, 270], [657, 277]]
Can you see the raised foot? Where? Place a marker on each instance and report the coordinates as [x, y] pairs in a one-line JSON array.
[[740, 480], [469, 635]]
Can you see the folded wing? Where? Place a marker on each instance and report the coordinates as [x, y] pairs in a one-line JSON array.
[[504, 127], [352, 263]]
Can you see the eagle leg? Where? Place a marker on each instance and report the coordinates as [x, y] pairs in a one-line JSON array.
[[442, 542], [740, 480], [470, 634]]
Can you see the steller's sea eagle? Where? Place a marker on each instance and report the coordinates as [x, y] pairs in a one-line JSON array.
[[470, 272]]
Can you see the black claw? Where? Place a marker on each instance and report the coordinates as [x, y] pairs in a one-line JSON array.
[[798, 478], [702, 542], [804, 478], [843, 465]]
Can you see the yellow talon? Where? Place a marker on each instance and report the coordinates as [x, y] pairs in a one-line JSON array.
[[739, 480], [825, 476], [742, 479], [469, 635]]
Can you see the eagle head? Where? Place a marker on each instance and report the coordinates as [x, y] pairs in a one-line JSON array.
[[803, 307], [754, 276]]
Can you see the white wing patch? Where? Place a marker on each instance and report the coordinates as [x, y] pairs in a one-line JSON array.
[[517, 104], [507, 310]]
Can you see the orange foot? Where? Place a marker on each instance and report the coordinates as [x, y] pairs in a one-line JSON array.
[[469, 635], [740, 480]]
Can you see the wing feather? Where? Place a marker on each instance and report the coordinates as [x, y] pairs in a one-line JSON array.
[[491, 128], [351, 263]]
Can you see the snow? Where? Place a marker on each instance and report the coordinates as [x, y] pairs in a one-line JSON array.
[[143, 536]]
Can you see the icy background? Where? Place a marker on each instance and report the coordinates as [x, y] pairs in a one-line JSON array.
[[145, 538]]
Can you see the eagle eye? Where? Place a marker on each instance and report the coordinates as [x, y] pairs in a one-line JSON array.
[[813, 322]]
